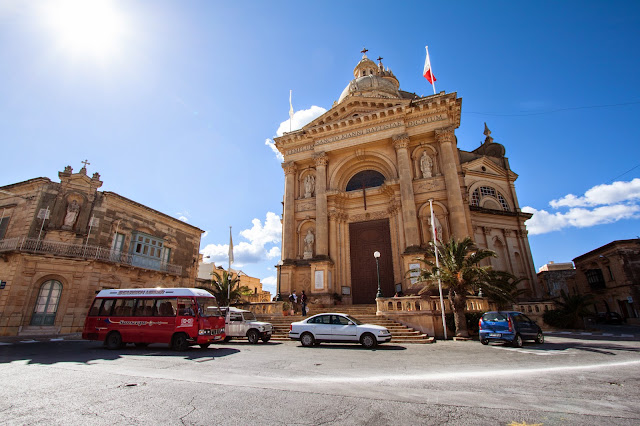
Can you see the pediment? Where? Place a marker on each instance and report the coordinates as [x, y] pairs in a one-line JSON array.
[[485, 166], [355, 107]]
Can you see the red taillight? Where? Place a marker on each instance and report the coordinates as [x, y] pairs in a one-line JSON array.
[[290, 327], [480, 323], [510, 324]]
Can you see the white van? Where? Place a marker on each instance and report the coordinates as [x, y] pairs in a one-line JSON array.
[[240, 323]]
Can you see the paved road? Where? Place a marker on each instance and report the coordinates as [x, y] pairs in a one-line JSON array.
[[571, 379]]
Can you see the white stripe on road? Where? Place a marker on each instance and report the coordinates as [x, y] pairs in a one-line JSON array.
[[461, 374]]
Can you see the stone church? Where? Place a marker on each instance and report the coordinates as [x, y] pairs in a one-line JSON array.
[[364, 177]]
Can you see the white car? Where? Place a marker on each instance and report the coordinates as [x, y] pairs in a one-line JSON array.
[[241, 323], [338, 328]]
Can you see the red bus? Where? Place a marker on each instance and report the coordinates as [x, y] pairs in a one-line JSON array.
[[180, 317]]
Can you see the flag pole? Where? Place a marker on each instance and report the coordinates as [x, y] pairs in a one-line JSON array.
[[435, 241], [290, 110], [229, 272]]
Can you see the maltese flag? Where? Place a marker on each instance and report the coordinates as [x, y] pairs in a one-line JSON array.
[[427, 73]]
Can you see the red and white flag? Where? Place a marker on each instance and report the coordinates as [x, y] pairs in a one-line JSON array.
[[427, 73]]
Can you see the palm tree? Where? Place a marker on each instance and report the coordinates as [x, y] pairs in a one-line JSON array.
[[574, 307], [226, 288], [460, 274], [502, 288]]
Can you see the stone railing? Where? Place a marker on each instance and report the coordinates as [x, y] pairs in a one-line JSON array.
[[413, 304], [263, 308], [57, 248]]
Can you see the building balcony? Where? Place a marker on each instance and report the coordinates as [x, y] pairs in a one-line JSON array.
[[86, 252]]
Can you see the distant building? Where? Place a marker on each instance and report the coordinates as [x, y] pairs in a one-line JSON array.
[[257, 294], [611, 273], [61, 243], [364, 178], [555, 277]]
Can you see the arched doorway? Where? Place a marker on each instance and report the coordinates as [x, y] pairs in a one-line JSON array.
[[46, 307]]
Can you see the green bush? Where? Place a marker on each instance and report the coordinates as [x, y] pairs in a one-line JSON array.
[[557, 318]]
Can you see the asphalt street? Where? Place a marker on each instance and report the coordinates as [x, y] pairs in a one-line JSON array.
[[570, 379]]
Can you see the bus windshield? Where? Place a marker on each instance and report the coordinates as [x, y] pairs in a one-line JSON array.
[[208, 307]]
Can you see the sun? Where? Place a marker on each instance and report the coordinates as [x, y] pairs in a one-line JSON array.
[[87, 27]]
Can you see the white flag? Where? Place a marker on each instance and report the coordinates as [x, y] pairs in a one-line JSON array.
[[290, 106], [230, 248]]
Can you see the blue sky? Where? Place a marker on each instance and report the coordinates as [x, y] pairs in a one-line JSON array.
[[175, 103]]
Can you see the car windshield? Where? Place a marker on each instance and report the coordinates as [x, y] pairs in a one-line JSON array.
[[494, 316], [355, 320], [208, 307], [248, 316]]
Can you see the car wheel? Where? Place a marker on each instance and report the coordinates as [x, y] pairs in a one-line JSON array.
[[265, 339], [368, 340], [540, 338], [253, 336], [204, 345], [517, 341], [180, 342], [113, 341], [307, 340], [227, 339], [484, 341]]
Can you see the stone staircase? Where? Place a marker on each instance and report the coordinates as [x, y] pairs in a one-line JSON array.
[[365, 313]]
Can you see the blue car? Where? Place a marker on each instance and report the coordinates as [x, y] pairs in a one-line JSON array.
[[510, 327]]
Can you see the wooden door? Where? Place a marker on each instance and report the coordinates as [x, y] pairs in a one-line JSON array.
[[365, 239]]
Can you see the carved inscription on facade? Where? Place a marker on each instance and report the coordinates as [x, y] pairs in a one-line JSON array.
[[433, 118], [300, 149], [362, 132]]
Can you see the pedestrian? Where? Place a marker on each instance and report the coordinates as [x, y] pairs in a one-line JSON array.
[[295, 302], [303, 301]]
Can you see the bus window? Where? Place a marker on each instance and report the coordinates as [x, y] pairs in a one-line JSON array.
[[166, 307], [105, 309], [186, 308], [209, 307], [124, 307], [144, 308], [95, 308]]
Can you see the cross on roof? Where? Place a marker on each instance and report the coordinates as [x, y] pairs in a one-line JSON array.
[[86, 163], [380, 58], [364, 50]]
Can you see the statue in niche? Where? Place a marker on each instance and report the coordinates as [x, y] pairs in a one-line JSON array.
[[308, 244], [72, 214], [309, 186], [426, 165]]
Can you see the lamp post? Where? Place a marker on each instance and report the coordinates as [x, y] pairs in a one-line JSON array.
[[376, 254], [279, 266]]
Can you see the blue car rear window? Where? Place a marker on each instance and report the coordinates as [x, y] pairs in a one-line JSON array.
[[494, 316]]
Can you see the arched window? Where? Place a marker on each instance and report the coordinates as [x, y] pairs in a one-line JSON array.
[[365, 179], [486, 191], [46, 307]]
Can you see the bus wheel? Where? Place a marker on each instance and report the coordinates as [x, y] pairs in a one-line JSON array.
[[204, 345], [179, 342], [253, 337], [113, 341]]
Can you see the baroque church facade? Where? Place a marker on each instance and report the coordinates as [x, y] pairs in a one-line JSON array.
[[364, 178]]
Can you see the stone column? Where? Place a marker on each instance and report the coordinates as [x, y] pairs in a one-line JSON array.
[[322, 219], [288, 220], [449, 153], [409, 215]]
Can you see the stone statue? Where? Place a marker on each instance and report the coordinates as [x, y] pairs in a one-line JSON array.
[[426, 165], [68, 169], [72, 214], [309, 185], [308, 245]]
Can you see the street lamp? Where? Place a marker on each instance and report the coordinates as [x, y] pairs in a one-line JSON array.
[[279, 266], [376, 254]]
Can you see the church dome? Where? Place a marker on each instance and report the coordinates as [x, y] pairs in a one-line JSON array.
[[371, 80]]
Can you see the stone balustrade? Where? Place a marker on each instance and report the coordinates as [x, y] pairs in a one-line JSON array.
[[414, 304], [263, 308]]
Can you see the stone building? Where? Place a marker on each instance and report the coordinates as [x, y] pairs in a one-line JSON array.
[[611, 274], [363, 177], [553, 278], [60, 243], [252, 283]]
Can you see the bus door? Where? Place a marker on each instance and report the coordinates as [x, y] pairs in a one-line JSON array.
[[165, 319], [186, 320]]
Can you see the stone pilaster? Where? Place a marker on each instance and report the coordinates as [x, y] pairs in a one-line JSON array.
[[288, 220], [322, 219], [446, 138], [409, 214]]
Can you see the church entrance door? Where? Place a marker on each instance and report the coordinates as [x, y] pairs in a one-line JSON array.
[[365, 239]]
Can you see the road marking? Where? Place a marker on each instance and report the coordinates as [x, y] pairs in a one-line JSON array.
[[28, 341], [627, 335], [5, 344], [462, 375]]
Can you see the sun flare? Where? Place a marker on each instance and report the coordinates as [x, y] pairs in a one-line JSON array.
[[92, 27]]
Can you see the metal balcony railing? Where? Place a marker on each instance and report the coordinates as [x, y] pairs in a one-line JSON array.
[[56, 248]]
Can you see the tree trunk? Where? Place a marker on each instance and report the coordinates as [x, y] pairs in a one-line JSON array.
[[459, 304]]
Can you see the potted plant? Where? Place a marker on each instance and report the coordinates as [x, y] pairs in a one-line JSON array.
[[286, 306]]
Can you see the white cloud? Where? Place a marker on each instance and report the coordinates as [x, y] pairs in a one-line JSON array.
[[617, 192], [254, 250], [617, 201], [300, 118], [183, 218], [270, 284], [204, 235]]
